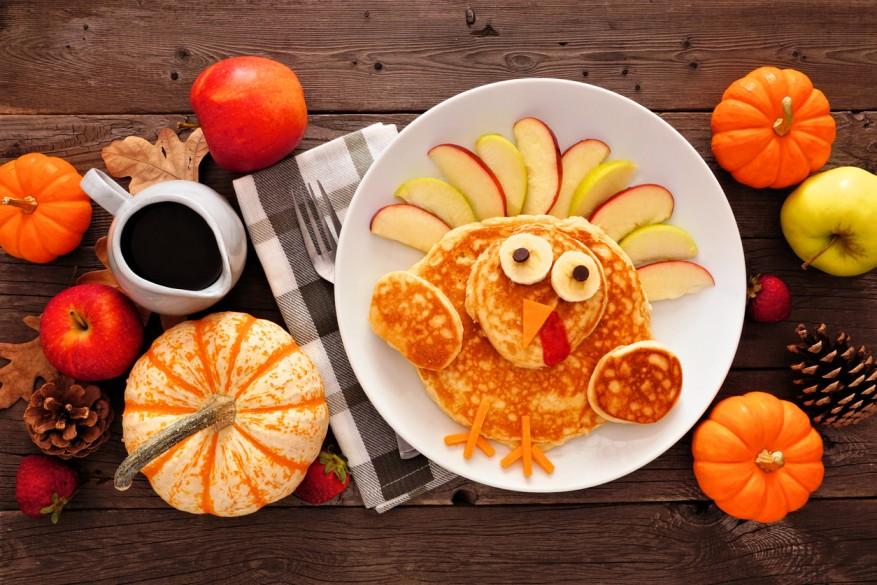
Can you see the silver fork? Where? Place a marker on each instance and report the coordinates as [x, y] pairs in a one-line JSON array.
[[320, 235]]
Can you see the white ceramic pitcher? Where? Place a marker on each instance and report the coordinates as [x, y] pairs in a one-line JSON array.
[[210, 205]]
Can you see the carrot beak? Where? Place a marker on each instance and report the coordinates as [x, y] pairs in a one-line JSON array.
[[533, 315]]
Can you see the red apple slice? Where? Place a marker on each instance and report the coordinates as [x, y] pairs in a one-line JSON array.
[[409, 225], [578, 160], [506, 162], [633, 208], [468, 173], [538, 146], [673, 278]]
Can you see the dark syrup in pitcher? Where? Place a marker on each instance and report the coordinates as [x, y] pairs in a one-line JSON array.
[[170, 244]]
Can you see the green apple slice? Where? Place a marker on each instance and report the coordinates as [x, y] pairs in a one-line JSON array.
[[673, 278], [654, 243], [409, 225], [507, 163], [633, 208], [604, 181], [439, 198], [468, 173], [538, 146], [578, 160]]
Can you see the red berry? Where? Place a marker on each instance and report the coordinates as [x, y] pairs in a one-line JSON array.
[[43, 486], [769, 299], [326, 478]]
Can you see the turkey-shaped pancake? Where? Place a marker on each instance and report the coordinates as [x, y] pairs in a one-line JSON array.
[[515, 312]]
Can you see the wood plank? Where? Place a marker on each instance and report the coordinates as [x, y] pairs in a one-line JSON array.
[[104, 57], [850, 458], [826, 542]]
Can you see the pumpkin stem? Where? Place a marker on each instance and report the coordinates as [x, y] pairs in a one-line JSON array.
[[770, 461], [782, 125], [219, 412], [28, 204], [188, 125], [807, 264]]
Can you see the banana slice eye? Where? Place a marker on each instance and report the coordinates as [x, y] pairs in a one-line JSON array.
[[525, 258], [575, 276]]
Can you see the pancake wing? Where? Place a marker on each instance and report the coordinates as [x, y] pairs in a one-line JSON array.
[[636, 383], [417, 319]]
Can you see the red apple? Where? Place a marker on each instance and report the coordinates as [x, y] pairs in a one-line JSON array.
[[91, 332], [252, 110]]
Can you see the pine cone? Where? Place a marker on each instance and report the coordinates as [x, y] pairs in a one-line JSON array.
[[68, 419], [836, 382]]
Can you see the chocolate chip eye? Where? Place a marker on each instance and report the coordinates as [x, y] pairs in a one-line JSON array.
[[580, 273], [521, 255]]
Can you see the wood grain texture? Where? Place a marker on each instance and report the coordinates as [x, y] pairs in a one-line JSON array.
[[79, 75], [693, 543], [107, 57]]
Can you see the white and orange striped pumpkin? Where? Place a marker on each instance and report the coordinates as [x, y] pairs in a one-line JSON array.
[[224, 415]]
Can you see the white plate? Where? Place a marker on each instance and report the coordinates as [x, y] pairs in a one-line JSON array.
[[702, 329]]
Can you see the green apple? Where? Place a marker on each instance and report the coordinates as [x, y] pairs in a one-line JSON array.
[[507, 163], [604, 181], [830, 221], [654, 243], [577, 161], [439, 198]]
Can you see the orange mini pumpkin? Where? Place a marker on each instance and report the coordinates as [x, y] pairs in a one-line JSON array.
[[772, 128], [43, 211], [758, 457]]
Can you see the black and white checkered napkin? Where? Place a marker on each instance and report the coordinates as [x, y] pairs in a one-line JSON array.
[[384, 478]]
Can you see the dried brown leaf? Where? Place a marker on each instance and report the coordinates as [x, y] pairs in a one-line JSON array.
[[148, 164], [27, 363], [104, 276]]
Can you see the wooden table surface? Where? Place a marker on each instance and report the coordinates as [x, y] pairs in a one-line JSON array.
[[77, 75]]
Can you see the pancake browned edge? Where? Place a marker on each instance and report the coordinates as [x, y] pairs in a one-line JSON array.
[[554, 398]]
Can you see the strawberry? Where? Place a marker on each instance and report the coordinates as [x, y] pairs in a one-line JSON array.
[[43, 486], [769, 299], [326, 478]]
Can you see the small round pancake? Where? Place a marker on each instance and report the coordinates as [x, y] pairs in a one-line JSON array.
[[417, 319], [636, 383], [496, 303]]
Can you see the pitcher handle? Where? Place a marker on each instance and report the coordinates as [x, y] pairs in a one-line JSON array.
[[106, 192]]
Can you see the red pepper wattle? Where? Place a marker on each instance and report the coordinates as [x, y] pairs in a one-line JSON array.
[[555, 344]]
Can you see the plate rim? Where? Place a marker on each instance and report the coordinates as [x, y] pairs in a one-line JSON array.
[[539, 487]]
